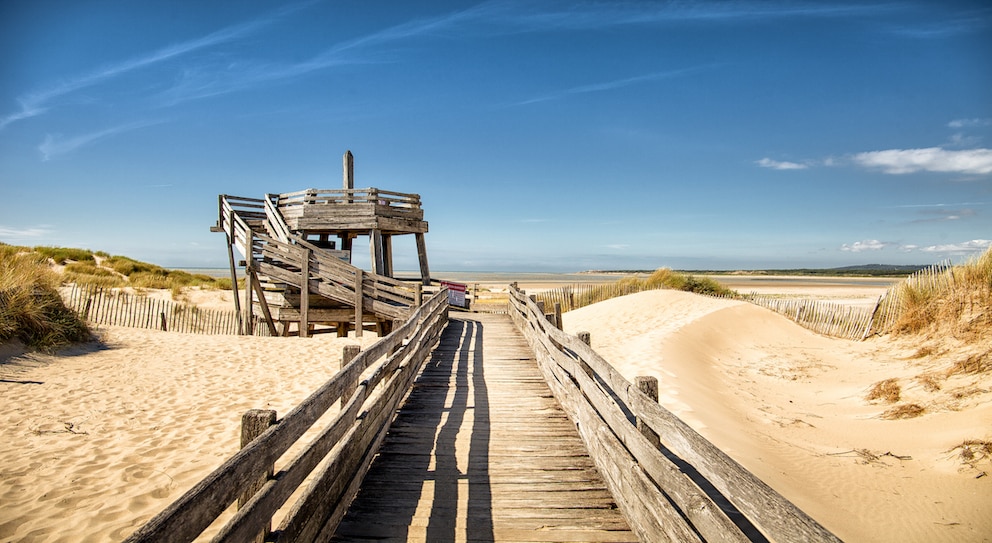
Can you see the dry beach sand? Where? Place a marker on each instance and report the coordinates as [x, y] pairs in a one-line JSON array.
[[97, 441]]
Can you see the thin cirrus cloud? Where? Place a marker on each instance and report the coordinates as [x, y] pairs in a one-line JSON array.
[[39, 102], [208, 80], [16, 234], [611, 85], [54, 146]]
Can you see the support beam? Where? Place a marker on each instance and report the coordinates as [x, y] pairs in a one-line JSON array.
[[375, 246], [234, 272], [387, 255], [249, 258], [257, 287], [305, 293], [425, 272], [359, 279]]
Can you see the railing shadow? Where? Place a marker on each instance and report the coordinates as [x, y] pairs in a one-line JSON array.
[[421, 469]]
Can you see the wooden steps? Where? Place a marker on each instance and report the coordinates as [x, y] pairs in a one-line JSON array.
[[481, 451]]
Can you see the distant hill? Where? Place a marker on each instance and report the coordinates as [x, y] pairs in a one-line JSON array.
[[863, 270]]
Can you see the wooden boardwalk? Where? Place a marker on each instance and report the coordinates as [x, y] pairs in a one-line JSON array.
[[481, 451]]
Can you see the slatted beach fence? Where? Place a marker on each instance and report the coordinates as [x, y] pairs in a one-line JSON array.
[[116, 307]]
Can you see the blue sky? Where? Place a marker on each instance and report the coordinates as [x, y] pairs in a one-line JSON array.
[[542, 136]]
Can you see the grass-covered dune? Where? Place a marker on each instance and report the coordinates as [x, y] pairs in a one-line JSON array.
[[31, 309]]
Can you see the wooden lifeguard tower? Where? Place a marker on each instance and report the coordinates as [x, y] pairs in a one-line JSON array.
[[294, 269]]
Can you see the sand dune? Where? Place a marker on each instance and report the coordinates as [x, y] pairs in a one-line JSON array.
[[790, 406]]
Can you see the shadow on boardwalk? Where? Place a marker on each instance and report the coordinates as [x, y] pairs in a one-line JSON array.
[[481, 451], [420, 484]]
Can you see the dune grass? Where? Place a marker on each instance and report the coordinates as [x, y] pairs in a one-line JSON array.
[[960, 304], [574, 297], [31, 309]]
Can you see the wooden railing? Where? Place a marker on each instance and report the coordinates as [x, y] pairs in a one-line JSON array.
[[239, 217], [375, 196], [671, 483], [344, 448]]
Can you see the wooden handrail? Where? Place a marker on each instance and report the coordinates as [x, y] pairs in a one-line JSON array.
[[355, 433], [374, 196], [642, 477]]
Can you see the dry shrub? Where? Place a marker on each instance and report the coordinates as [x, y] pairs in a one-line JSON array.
[[924, 352], [974, 364], [974, 451], [929, 381], [887, 391], [904, 411]]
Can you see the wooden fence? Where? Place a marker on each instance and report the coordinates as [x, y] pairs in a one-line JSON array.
[[343, 449], [671, 483], [114, 306]]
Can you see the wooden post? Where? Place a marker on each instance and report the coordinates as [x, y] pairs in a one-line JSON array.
[[346, 243], [249, 279], [359, 301], [257, 286], [387, 255], [347, 355], [418, 295], [305, 293], [349, 175], [585, 337], [558, 315], [253, 424], [425, 272], [231, 240], [648, 385], [164, 327], [375, 245]]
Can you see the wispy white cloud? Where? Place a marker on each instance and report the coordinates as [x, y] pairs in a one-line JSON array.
[[969, 123], [54, 146], [22, 234], [611, 85], [780, 165], [589, 15], [931, 159], [965, 247], [38, 102], [218, 78], [865, 245]]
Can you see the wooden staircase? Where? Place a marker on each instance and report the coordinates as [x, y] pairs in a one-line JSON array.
[[285, 269]]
